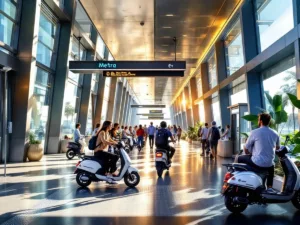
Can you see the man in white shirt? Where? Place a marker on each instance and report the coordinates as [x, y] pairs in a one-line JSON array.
[[204, 139]]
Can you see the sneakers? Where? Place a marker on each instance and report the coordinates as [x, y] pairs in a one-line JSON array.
[[271, 191], [111, 182]]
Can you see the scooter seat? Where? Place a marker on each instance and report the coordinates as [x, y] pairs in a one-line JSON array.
[[245, 167]]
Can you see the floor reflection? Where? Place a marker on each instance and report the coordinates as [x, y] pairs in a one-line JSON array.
[[46, 193]]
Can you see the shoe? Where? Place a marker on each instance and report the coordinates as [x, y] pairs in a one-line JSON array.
[[211, 156], [111, 182], [271, 191], [201, 154]]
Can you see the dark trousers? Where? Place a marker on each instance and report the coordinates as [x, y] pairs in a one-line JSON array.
[[109, 160], [204, 145], [214, 146], [140, 140], [151, 140], [247, 160]]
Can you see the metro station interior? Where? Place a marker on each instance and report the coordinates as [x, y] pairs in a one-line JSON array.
[[137, 62]]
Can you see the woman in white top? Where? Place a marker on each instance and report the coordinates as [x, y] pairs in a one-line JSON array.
[[226, 136]]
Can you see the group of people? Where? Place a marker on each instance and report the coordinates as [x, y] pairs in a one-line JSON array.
[[211, 136]]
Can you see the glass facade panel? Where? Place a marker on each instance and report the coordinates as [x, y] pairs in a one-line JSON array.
[[199, 87], [9, 8], [94, 85], [70, 109], [105, 99], [238, 94], [46, 39], [274, 19], [100, 47], [110, 57], [40, 105], [75, 50], [6, 30], [216, 110], [212, 71], [89, 123], [281, 79], [202, 112], [234, 49]]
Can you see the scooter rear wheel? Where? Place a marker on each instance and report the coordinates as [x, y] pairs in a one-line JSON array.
[[83, 183], [296, 200], [159, 171], [233, 206], [132, 180], [70, 154]]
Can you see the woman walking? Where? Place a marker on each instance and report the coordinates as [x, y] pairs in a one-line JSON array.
[[179, 131]]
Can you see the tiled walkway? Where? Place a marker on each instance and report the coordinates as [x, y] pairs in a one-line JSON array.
[[46, 193]]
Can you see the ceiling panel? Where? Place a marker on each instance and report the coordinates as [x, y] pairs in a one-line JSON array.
[[193, 22]]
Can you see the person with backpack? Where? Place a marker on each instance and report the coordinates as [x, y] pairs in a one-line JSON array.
[[204, 138], [162, 140], [109, 160], [214, 136]]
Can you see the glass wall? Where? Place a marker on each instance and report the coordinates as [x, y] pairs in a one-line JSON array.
[[238, 92], [92, 103], [105, 99], [46, 40], [100, 47], [281, 79], [234, 49], [274, 19], [41, 100], [216, 110], [212, 71], [202, 112], [8, 16]]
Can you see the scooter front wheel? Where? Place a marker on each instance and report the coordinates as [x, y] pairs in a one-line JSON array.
[[70, 154], [132, 179], [296, 200], [234, 207], [83, 179]]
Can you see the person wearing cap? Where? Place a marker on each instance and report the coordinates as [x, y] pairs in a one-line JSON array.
[[214, 136]]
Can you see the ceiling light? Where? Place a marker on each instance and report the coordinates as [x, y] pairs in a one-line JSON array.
[[166, 37], [184, 35], [167, 27], [169, 14], [163, 51], [165, 45]]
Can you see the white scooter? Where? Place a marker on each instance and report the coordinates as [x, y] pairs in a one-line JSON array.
[[89, 170], [243, 185]]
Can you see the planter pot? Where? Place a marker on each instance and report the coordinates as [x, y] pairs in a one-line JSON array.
[[64, 145], [35, 152]]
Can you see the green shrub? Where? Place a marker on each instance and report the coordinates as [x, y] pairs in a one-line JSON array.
[[32, 140]]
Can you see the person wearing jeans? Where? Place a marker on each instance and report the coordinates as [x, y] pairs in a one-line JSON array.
[[140, 134], [151, 132]]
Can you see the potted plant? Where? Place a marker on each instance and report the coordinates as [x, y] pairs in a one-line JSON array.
[[36, 150]]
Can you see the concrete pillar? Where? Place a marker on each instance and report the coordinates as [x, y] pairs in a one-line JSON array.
[[251, 46], [194, 96], [222, 75], [117, 103], [125, 105], [112, 98], [205, 87], [25, 79], [188, 111], [127, 108], [99, 100], [297, 56], [122, 104], [85, 96]]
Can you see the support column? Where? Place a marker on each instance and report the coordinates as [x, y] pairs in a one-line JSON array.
[[117, 103], [24, 79], [297, 57], [85, 96], [112, 98], [188, 111], [127, 108], [205, 87], [122, 106], [251, 46], [222, 75], [99, 99], [194, 96]]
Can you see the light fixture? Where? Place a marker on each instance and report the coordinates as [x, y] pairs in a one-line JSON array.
[[167, 27], [165, 45], [184, 35], [169, 14]]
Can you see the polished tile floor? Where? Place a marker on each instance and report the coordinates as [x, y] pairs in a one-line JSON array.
[[46, 193]]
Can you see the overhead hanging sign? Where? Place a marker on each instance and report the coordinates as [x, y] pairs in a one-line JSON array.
[[155, 111], [151, 115], [155, 117], [143, 73], [112, 66]]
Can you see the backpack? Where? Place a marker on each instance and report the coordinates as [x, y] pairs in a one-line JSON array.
[[93, 142], [161, 140], [215, 134]]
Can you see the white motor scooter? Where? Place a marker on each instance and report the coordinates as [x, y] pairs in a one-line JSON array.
[[244, 185], [161, 161], [89, 169]]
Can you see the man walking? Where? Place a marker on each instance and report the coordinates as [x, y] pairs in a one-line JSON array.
[[204, 139], [214, 136], [151, 132]]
